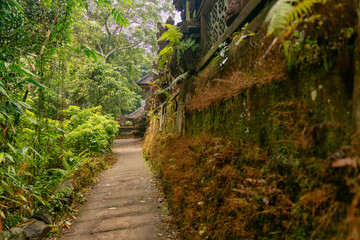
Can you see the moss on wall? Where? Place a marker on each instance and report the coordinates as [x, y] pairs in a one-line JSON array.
[[258, 165], [308, 114]]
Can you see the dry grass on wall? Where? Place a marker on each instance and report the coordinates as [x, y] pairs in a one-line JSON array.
[[217, 190], [215, 83], [219, 89], [209, 197]]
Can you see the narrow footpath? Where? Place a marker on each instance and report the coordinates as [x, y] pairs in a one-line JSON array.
[[122, 205]]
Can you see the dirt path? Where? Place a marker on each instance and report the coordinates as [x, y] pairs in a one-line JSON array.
[[122, 205]]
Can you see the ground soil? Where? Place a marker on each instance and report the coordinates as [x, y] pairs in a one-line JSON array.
[[123, 204]]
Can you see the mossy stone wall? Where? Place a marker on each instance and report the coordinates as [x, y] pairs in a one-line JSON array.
[[308, 113]]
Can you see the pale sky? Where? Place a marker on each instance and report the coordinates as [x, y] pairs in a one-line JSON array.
[[177, 17]]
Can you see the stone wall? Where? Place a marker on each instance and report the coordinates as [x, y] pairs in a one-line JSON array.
[[254, 146]]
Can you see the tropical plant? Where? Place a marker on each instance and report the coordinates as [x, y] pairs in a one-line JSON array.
[[286, 15], [173, 37], [287, 21]]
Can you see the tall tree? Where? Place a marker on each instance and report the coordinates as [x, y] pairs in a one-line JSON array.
[[108, 32], [356, 91]]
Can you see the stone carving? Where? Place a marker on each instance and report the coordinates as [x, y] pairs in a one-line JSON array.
[[233, 8], [170, 21], [215, 23]]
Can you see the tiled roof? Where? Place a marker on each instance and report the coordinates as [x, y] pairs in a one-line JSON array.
[[137, 114], [145, 80], [140, 112]]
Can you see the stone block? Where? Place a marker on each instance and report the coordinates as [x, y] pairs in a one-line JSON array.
[[17, 233], [5, 235], [36, 230], [44, 214]]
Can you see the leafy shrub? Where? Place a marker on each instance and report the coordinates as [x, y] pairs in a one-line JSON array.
[[89, 130]]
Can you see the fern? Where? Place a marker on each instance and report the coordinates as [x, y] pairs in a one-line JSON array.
[[173, 36], [285, 15], [177, 80]]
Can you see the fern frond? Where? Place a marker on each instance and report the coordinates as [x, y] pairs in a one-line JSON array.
[[177, 80], [286, 13], [173, 34]]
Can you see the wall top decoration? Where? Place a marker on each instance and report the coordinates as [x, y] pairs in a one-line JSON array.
[[217, 20]]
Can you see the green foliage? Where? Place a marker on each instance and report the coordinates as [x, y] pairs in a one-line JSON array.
[[99, 84], [285, 15], [89, 130], [304, 29], [171, 55], [173, 36], [119, 18], [120, 37], [38, 147], [35, 164]]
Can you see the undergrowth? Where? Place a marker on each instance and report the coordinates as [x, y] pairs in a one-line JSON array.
[[34, 169], [66, 201]]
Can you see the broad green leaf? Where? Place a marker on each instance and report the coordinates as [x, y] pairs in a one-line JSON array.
[[30, 80], [20, 70], [119, 18], [2, 157], [11, 148], [3, 92], [93, 55], [17, 5], [22, 197]]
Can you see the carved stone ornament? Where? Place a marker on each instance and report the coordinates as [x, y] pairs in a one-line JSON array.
[[233, 8]]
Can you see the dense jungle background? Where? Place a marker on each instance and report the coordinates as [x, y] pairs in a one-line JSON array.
[[67, 70]]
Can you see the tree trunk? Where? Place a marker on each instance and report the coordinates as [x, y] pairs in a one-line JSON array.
[[356, 90]]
